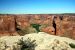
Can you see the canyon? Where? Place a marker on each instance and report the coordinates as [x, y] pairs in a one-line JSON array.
[[54, 24]]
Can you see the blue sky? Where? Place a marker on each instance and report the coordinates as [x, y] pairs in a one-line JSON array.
[[36, 6]]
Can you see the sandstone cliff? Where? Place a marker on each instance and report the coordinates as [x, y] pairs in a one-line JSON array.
[[57, 24]]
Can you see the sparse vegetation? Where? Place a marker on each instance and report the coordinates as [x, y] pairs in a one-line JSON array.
[[72, 45], [36, 26], [27, 44]]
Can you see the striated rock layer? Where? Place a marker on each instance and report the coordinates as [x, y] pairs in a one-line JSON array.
[[55, 24]]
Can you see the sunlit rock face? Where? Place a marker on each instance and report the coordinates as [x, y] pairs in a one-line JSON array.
[[64, 26], [43, 41], [67, 26], [7, 25], [22, 21]]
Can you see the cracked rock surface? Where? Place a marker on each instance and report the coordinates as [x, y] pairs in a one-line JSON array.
[[43, 41]]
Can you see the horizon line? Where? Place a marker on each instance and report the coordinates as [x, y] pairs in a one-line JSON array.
[[37, 13]]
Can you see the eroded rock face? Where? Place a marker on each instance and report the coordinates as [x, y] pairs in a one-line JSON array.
[[67, 26], [62, 26], [7, 24], [22, 21]]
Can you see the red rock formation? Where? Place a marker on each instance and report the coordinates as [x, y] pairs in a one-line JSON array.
[[22, 21], [65, 26], [49, 30], [58, 23], [7, 25]]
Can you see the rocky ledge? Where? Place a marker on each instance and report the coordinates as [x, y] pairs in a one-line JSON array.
[[36, 41]]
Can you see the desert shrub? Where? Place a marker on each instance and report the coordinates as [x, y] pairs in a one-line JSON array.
[[36, 26], [27, 44], [72, 45]]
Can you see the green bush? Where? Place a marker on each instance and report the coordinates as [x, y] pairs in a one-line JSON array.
[[27, 44], [36, 26], [72, 45]]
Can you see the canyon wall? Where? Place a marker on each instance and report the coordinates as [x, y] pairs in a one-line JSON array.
[[57, 24]]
